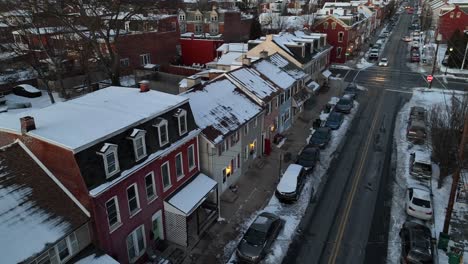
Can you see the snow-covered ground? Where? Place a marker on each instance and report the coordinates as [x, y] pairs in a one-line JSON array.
[[293, 213], [364, 64], [425, 98]]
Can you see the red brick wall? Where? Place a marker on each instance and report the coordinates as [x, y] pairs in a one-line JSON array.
[[332, 39], [448, 25], [198, 50], [239, 29]]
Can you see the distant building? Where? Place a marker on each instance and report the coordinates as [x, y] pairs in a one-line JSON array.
[[452, 19]]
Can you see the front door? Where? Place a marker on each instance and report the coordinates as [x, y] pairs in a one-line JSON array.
[[157, 227]]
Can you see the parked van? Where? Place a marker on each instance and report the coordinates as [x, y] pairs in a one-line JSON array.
[[420, 165], [291, 184]]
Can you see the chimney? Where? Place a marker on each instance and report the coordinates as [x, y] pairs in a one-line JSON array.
[[27, 124], [245, 60], [269, 38], [192, 81], [144, 86], [263, 54]]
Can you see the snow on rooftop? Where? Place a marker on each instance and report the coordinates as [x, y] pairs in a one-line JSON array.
[[76, 123], [252, 81], [283, 63], [192, 194], [233, 47], [95, 259], [274, 73], [288, 182], [229, 58], [219, 106]]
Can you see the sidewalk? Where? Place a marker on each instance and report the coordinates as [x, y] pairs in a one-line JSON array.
[[256, 187]]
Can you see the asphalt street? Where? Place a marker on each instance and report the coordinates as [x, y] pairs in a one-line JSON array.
[[348, 222]]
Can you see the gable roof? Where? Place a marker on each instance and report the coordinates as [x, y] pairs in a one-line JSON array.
[[254, 82], [219, 108], [34, 210], [334, 18], [81, 122], [274, 73], [291, 69]]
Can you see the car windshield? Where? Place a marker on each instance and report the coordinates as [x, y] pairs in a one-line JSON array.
[[384, 60], [334, 117], [307, 156], [255, 237], [421, 202], [320, 134], [344, 101]]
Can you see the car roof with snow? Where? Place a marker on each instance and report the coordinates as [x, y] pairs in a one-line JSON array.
[[422, 157], [288, 182], [421, 192], [28, 88]]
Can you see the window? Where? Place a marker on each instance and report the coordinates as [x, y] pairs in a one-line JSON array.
[[191, 157], [286, 116], [338, 52], [234, 138], [111, 159], [124, 62], [166, 175], [214, 18], [145, 59], [113, 213], [136, 243], [150, 187], [179, 166], [63, 251], [182, 118], [246, 152], [333, 25], [198, 29], [325, 25], [288, 94], [181, 17], [246, 129], [139, 143], [256, 121], [268, 108], [458, 14], [340, 36], [132, 197], [238, 160], [452, 14], [161, 124], [277, 101]]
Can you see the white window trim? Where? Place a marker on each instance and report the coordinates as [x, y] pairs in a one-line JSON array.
[[138, 209], [142, 60], [155, 195], [339, 36], [191, 149], [165, 188], [183, 114], [117, 208], [182, 164], [112, 148], [143, 250], [69, 247], [141, 134], [163, 123]]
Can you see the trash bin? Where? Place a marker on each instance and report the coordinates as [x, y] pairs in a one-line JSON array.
[[443, 241], [454, 256]]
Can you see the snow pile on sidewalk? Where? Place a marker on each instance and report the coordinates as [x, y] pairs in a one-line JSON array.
[[364, 64], [292, 213], [425, 98]]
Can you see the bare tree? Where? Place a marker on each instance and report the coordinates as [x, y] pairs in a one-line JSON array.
[[446, 124]]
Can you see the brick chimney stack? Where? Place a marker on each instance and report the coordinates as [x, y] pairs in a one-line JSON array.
[[27, 124], [144, 86]]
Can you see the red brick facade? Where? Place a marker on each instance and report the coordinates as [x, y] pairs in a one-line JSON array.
[[199, 51], [451, 21], [340, 44]]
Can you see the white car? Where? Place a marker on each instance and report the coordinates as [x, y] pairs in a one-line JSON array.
[[418, 202], [383, 62], [406, 39]]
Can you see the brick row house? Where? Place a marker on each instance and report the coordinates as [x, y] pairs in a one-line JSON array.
[[130, 157], [451, 19]]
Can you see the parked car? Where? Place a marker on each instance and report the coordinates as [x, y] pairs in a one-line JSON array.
[[291, 184], [26, 90], [416, 243], [344, 105], [420, 165], [418, 112], [334, 120], [418, 202], [374, 56], [308, 158], [320, 137], [259, 237], [406, 38], [415, 56], [351, 90], [416, 131], [383, 62]]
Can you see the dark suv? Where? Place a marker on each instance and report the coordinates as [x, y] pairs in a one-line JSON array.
[[416, 243]]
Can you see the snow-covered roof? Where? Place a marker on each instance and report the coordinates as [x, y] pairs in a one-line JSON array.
[[29, 88], [422, 157], [287, 66], [288, 182], [97, 259], [190, 196], [233, 47], [78, 123], [251, 80], [220, 108], [35, 210], [229, 58], [274, 73]]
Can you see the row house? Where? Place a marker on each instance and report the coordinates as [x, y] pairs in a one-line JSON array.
[[231, 125], [130, 156], [308, 51], [41, 221], [209, 24], [435, 9], [453, 19]]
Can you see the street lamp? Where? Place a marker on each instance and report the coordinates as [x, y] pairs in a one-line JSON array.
[[446, 66]]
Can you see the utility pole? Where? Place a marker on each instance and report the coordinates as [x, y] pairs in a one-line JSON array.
[[438, 39], [464, 57], [456, 176]]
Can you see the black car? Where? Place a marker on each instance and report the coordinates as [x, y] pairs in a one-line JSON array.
[[344, 105], [259, 237], [334, 120], [416, 243], [308, 157], [26, 90], [351, 90], [320, 137]]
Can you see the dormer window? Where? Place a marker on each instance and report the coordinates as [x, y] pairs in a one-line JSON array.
[[111, 159], [181, 115], [161, 125], [214, 18], [139, 144]]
